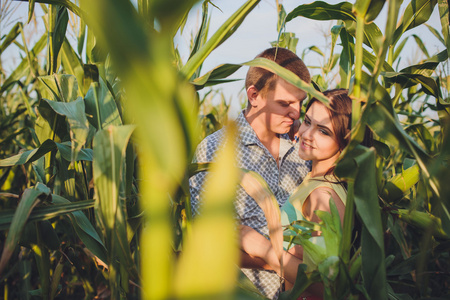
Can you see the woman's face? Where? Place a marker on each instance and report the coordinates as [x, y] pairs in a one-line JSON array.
[[318, 140]]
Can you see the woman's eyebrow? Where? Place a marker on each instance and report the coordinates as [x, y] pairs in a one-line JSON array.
[[319, 125], [325, 127]]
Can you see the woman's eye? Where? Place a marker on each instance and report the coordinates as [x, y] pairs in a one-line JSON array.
[[324, 132], [307, 122]]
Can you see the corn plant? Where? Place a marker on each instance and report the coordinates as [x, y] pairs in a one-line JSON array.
[[97, 138], [416, 194]]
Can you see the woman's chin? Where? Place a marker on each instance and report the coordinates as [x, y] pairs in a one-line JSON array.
[[304, 156]]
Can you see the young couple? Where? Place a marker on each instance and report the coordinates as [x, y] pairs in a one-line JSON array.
[[303, 162]]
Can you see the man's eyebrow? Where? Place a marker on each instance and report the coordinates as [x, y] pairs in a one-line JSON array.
[[288, 101]]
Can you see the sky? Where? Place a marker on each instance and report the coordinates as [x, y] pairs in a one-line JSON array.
[[255, 34], [260, 28]]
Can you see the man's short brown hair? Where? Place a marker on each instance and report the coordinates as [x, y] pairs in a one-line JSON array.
[[265, 80]]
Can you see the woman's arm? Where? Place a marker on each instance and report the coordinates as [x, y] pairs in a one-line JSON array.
[[257, 246], [253, 262]]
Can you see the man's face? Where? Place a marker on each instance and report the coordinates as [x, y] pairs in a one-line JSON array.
[[280, 107]]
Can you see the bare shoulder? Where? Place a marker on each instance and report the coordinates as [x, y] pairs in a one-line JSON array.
[[322, 195], [319, 199]]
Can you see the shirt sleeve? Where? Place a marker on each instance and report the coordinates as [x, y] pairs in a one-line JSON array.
[[203, 154]]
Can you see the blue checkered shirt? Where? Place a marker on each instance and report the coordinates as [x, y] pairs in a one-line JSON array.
[[253, 155]]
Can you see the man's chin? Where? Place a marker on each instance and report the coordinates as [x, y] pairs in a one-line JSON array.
[[283, 131]]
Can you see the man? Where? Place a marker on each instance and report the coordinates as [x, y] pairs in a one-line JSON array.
[[263, 146]]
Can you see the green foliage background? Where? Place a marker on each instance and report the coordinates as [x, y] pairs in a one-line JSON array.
[[97, 137]]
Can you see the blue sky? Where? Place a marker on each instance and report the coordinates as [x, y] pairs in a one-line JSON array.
[[256, 33], [260, 28]]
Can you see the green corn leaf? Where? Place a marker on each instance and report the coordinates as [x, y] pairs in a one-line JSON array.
[[421, 45], [361, 7], [66, 152], [192, 278], [30, 198], [400, 184], [416, 13], [331, 230], [59, 18], [399, 48], [73, 66], [302, 282], [11, 37], [29, 156], [288, 76], [436, 33], [24, 68], [329, 269], [109, 150], [358, 168], [317, 253], [66, 3], [281, 17], [81, 37], [108, 167], [169, 14], [201, 36], [148, 77], [50, 125], [370, 60], [221, 35], [30, 10], [79, 127], [374, 9], [396, 228], [346, 59], [323, 11], [12, 118], [423, 136], [63, 88], [422, 220], [257, 188], [46, 147], [48, 212], [445, 22], [81, 224], [101, 106], [218, 73], [198, 167], [7, 140], [56, 277], [385, 125], [430, 85]]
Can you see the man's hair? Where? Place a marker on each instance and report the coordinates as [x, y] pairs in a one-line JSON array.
[[265, 80]]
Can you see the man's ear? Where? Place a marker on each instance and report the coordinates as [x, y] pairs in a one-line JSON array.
[[252, 95]]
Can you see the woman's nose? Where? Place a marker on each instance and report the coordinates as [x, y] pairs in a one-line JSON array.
[[307, 133]]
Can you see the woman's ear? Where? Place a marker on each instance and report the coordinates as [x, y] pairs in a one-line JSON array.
[[252, 95]]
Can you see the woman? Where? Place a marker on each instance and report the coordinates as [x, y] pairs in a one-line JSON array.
[[323, 135]]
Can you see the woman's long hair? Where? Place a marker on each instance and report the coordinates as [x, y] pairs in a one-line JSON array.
[[340, 112]]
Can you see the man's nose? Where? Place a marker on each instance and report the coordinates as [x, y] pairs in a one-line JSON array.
[[295, 111]]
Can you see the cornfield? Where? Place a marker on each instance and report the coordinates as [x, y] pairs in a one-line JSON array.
[[98, 129]]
